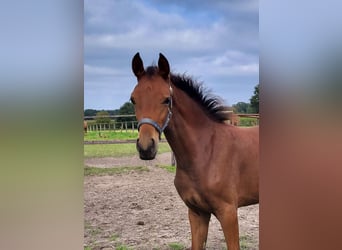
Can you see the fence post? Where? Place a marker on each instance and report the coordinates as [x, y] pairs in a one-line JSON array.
[[173, 159]]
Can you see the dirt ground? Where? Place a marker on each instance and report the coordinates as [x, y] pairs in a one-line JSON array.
[[142, 210]]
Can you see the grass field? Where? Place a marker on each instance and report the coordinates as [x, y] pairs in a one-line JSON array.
[[118, 150], [123, 135], [110, 135], [248, 121], [169, 168], [111, 171]]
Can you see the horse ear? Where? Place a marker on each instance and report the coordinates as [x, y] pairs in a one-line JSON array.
[[164, 67], [137, 66]]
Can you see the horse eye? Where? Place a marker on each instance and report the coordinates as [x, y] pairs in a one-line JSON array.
[[167, 101], [132, 100]]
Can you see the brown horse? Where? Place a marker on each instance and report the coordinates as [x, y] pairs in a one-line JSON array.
[[85, 126], [217, 164]]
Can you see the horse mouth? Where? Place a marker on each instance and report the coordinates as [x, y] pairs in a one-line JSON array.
[[149, 153], [147, 157]]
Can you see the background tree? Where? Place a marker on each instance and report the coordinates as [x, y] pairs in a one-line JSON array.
[[255, 99], [241, 107], [127, 109], [90, 112], [102, 117]]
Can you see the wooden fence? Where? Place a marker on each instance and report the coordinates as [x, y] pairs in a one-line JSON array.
[[122, 126], [132, 125]]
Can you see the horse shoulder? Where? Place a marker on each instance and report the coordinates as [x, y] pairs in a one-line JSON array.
[[192, 189], [233, 176]]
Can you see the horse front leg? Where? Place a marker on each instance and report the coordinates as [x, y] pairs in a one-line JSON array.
[[230, 226], [199, 223]]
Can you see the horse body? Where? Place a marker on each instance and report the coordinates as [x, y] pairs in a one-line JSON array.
[[217, 164], [85, 126], [215, 175]]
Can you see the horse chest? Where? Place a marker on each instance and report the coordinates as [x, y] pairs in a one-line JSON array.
[[192, 194]]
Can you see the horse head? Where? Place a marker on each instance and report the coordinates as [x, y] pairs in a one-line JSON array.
[[152, 99]]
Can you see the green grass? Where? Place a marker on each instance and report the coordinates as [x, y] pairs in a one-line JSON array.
[[94, 234], [106, 150], [91, 171], [176, 246], [118, 150], [248, 121], [244, 242], [113, 237], [123, 247], [169, 168], [110, 135], [93, 231]]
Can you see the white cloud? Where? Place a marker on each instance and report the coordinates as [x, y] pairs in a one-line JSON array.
[[215, 40], [135, 25], [120, 16], [230, 63], [243, 5], [176, 39], [95, 70]]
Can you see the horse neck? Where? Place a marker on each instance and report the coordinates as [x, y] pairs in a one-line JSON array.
[[190, 129]]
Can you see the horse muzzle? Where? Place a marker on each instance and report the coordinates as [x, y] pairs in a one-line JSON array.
[[147, 151]]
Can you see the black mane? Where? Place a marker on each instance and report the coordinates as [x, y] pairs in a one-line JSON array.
[[212, 105]]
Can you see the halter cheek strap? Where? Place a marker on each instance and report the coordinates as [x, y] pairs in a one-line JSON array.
[[155, 124]]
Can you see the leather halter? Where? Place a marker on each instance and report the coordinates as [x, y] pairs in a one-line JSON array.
[[149, 121]]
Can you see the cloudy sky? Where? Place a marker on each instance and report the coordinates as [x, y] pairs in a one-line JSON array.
[[216, 42]]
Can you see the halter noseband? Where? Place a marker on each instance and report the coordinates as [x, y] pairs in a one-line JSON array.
[[154, 123]]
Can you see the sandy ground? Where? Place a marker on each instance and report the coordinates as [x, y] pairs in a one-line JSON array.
[[142, 210]]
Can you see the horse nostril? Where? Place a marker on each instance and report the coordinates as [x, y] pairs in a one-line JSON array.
[[138, 144], [147, 149]]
